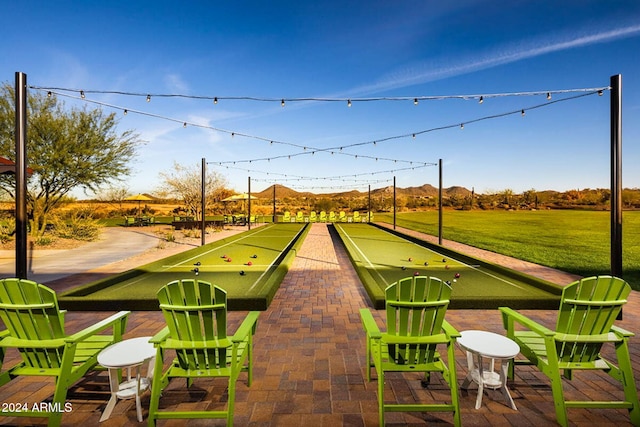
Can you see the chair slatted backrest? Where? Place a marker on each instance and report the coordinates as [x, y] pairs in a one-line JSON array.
[[588, 307], [196, 311], [30, 311], [416, 307]]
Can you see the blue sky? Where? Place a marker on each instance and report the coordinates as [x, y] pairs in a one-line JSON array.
[[348, 50]]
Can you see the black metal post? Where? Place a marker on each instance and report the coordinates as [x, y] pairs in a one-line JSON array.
[[616, 175], [204, 202], [369, 214], [440, 202], [21, 175], [274, 204], [249, 203], [394, 202]]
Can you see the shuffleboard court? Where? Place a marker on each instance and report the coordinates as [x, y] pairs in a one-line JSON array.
[[383, 257], [249, 266]]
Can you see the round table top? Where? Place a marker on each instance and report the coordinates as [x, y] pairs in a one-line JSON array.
[[488, 344], [125, 353]]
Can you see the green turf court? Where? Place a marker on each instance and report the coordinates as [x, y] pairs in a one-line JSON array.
[[249, 266], [382, 257]]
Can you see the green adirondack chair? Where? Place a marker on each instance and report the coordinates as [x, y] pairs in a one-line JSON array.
[[286, 217], [35, 327], [587, 311], [196, 316], [415, 308]]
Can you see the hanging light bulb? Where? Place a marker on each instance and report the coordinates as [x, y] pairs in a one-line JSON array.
[[600, 92], [125, 112], [461, 125], [82, 94], [548, 95], [233, 134], [215, 100], [522, 113], [49, 94], [184, 125], [148, 98], [282, 103], [414, 136], [415, 101], [481, 100], [348, 103]]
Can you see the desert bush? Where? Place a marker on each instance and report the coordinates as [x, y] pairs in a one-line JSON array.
[[7, 229], [78, 226]]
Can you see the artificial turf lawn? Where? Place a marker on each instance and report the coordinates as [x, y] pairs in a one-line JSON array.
[[263, 255], [382, 257]]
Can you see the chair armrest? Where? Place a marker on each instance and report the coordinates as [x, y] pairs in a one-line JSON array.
[[160, 337], [247, 327], [369, 324], [509, 316], [92, 330], [621, 332], [449, 330]]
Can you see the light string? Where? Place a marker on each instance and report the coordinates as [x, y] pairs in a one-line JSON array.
[[349, 101], [339, 149], [353, 177]]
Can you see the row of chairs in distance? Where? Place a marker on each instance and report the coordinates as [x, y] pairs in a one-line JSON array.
[[323, 216]]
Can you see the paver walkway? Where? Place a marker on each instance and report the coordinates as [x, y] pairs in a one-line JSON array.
[[310, 364]]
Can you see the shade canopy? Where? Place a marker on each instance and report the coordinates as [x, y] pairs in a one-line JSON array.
[[138, 198]]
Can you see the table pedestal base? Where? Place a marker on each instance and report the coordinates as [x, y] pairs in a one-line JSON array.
[[490, 379]]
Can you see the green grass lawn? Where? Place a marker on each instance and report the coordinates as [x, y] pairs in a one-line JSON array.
[[569, 240]]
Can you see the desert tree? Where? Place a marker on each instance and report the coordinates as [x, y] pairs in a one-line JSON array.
[[67, 149], [185, 183]]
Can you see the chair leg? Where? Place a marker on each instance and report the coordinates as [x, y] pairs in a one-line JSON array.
[[231, 403], [558, 398], [628, 382], [381, 396], [156, 388]]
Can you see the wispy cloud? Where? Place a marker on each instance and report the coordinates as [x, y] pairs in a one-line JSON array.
[[499, 55]]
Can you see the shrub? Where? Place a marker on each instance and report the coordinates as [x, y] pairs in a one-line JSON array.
[[7, 229], [76, 226]]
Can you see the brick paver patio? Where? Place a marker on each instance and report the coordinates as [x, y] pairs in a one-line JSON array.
[[310, 363]]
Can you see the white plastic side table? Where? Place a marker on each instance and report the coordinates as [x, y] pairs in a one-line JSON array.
[[487, 345], [129, 354]]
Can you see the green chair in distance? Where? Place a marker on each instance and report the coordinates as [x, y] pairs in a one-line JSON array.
[[332, 216], [357, 217], [300, 216], [35, 328], [342, 217], [313, 216], [286, 217], [588, 309], [196, 316], [415, 308], [323, 216]]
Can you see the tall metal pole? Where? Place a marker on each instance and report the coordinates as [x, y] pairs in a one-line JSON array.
[[249, 202], [204, 202], [394, 202], [274, 204], [21, 175], [440, 202], [616, 175], [369, 210]]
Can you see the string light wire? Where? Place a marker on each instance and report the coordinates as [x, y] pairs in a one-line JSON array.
[[332, 150]]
